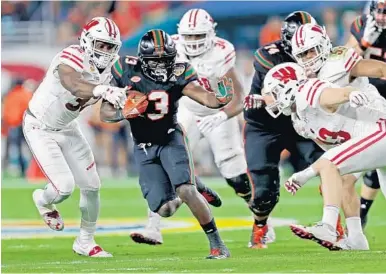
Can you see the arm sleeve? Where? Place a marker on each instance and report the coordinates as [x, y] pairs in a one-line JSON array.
[[117, 72], [357, 27], [263, 63], [228, 60], [309, 93]]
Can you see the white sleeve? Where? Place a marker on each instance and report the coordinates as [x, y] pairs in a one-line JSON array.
[[350, 59], [311, 91], [228, 58], [72, 56]]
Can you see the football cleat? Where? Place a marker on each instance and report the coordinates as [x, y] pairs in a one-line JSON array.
[[49, 213], [221, 252], [90, 249], [319, 233], [271, 235], [359, 242], [147, 236], [258, 237], [209, 194]]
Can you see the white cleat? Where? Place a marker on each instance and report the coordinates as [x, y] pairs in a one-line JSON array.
[[147, 236], [357, 242], [50, 214], [270, 237], [319, 233], [90, 249]]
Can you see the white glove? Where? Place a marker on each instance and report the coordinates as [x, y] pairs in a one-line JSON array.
[[299, 179], [116, 96], [208, 123], [371, 32], [358, 98], [253, 101]]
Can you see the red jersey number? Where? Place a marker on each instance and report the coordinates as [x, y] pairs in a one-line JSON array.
[[204, 82], [333, 138]]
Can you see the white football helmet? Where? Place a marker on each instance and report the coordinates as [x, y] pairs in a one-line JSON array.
[[197, 22], [311, 39], [101, 29], [281, 83]]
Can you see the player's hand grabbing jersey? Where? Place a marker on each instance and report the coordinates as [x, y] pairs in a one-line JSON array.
[[159, 119], [210, 67], [55, 106]]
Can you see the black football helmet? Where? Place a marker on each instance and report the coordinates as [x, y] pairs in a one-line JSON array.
[[157, 55], [291, 24], [378, 10]]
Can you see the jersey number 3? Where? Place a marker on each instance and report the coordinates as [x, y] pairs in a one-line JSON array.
[[330, 137], [161, 99]]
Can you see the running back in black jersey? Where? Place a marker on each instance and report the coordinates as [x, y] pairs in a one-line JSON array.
[[159, 120], [377, 51], [266, 57]]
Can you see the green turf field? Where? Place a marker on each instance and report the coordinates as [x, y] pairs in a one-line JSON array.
[[185, 246]]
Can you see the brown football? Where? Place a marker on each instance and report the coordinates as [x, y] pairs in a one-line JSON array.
[[135, 105]]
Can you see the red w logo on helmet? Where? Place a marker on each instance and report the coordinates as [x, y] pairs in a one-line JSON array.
[[90, 24], [285, 74]]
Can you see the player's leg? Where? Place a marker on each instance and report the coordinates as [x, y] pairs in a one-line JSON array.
[[226, 143], [178, 163], [47, 153], [262, 152], [369, 191], [157, 190], [188, 122], [80, 159]]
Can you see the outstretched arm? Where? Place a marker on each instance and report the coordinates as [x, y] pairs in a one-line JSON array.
[[331, 98], [369, 68], [200, 95], [235, 107], [109, 113], [73, 82]]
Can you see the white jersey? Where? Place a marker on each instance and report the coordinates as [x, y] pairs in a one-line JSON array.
[[55, 106], [210, 67], [337, 70], [332, 129]]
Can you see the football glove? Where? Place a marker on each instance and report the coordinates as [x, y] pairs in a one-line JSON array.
[[358, 98], [371, 32]]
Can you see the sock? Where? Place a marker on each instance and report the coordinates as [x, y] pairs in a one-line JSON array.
[[211, 232], [89, 208], [330, 216], [354, 226], [154, 220], [261, 223], [365, 207]]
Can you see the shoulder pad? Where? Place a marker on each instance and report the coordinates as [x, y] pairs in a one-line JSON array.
[[265, 57], [72, 56], [309, 93], [339, 63], [225, 55], [357, 27]]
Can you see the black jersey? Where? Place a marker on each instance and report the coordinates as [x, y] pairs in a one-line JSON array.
[[376, 51], [159, 120], [267, 57]]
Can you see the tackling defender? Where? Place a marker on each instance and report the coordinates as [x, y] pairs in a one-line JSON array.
[[77, 78], [212, 58], [266, 137], [368, 38], [157, 82]]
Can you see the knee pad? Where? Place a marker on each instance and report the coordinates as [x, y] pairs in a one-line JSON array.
[[241, 186], [266, 192], [168, 209], [371, 180]]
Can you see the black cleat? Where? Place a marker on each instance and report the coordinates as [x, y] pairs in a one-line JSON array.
[[210, 195], [219, 253]]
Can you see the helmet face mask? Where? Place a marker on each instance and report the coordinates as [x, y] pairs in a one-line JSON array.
[[197, 31], [157, 55], [101, 40]]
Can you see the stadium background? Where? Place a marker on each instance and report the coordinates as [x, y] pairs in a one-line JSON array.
[[34, 31]]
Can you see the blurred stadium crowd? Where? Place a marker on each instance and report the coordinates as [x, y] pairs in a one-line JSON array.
[[59, 23]]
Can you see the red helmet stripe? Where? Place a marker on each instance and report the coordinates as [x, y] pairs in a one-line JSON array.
[[109, 26], [195, 18], [190, 16], [114, 30]]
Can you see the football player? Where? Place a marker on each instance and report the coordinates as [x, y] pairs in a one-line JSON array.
[[368, 38], [77, 77], [266, 137], [212, 58], [311, 47], [161, 148], [360, 127]]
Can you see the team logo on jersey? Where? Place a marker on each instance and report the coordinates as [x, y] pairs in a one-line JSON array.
[[135, 79], [179, 69], [173, 79]]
